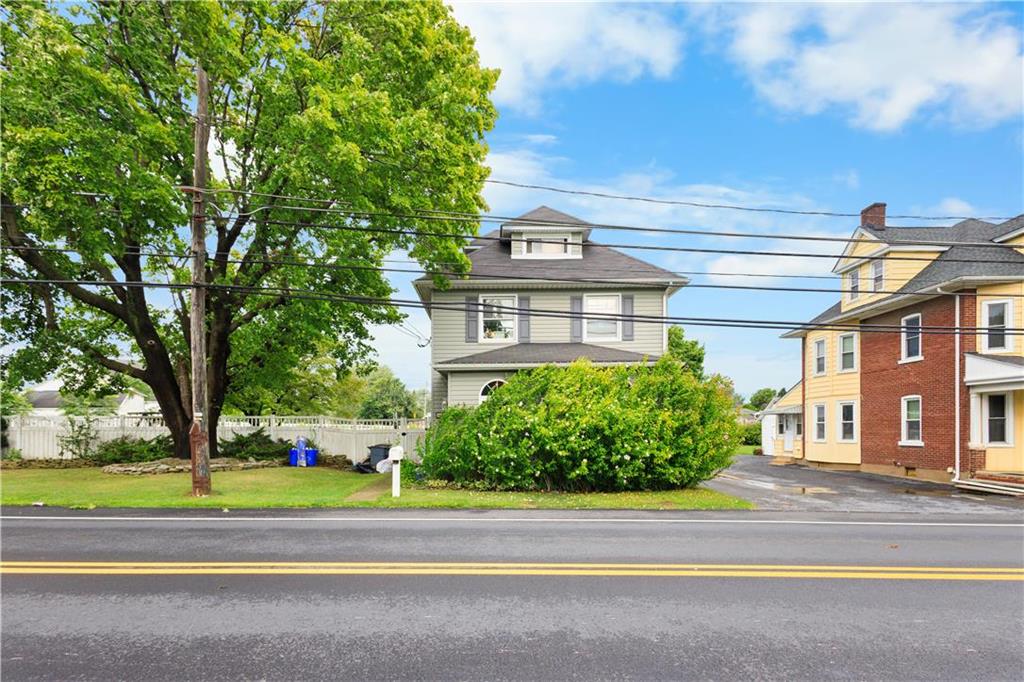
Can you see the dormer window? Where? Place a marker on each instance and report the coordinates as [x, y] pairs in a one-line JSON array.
[[550, 245], [546, 243]]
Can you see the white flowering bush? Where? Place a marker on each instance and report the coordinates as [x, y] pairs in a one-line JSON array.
[[587, 428]]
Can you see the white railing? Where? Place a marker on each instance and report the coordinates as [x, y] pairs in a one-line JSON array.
[[38, 437]]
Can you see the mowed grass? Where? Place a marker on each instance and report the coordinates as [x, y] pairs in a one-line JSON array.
[[281, 487], [746, 449], [314, 487]]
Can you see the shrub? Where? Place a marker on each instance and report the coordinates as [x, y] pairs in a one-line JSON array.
[[751, 433], [128, 450], [586, 428], [256, 445]]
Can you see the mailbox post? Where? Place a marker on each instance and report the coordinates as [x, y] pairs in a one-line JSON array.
[[396, 454]]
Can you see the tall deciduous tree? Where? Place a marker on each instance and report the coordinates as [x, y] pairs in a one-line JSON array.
[[687, 351], [367, 110]]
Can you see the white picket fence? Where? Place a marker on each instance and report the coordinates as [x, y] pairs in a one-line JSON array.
[[38, 437]]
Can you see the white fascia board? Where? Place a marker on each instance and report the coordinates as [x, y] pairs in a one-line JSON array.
[[465, 367], [1009, 235], [859, 233]]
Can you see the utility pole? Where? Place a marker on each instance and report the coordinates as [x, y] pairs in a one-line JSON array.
[[199, 434]]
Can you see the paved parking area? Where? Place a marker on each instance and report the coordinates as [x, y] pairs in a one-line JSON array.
[[799, 488]]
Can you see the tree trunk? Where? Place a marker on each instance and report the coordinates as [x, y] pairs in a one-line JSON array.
[[219, 347]]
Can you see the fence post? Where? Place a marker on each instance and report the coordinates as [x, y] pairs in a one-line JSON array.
[[273, 425]]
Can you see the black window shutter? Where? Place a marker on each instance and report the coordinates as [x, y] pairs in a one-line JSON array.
[[524, 319], [471, 321], [627, 312], [576, 321]]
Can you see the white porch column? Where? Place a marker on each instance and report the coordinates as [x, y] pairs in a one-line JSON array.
[[975, 435]]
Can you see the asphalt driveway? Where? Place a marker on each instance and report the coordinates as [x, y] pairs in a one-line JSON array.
[[798, 488]]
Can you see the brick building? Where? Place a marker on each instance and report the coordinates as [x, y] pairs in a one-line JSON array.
[[919, 369]]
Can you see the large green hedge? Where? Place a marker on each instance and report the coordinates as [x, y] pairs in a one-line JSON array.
[[587, 428]]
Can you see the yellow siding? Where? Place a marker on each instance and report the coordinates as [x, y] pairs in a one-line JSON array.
[[830, 389], [1014, 293], [792, 397], [1012, 458], [899, 270]]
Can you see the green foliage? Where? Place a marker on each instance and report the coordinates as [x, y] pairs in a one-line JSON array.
[[128, 450], [686, 351], [382, 107], [751, 434], [585, 428], [387, 397], [78, 441], [760, 399], [256, 445]]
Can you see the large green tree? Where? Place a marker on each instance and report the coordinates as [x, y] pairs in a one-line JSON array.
[[371, 110], [687, 351]]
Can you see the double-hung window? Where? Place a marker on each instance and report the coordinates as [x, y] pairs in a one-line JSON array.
[[878, 275], [854, 284], [847, 352], [799, 424], [605, 326], [498, 318], [996, 419], [910, 337], [910, 417], [847, 422], [782, 424], [995, 315], [819, 357], [819, 423]]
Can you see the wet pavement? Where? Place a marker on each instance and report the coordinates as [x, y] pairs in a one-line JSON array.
[[795, 487]]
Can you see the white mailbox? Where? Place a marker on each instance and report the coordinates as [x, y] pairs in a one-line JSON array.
[[396, 454]]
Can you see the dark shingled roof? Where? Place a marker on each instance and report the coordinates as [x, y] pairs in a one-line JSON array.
[[492, 259], [989, 262], [544, 214], [542, 353], [41, 399]]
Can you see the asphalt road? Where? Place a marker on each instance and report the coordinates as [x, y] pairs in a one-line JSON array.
[[171, 609]]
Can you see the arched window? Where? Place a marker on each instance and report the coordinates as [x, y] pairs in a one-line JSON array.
[[489, 387]]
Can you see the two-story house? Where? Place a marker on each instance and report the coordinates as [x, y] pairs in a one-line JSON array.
[[541, 292], [911, 396]]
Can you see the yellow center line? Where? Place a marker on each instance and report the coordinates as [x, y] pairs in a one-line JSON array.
[[495, 565], [514, 569]]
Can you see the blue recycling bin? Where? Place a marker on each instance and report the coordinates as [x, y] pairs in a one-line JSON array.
[[293, 457]]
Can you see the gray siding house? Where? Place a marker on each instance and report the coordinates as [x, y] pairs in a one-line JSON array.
[[526, 303]]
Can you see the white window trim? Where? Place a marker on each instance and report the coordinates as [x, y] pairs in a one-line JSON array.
[[1009, 323], [839, 353], [904, 441], [480, 321], [618, 321], [1008, 397], [839, 421], [824, 356], [852, 295], [824, 422], [480, 394], [875, 285], [903, 339]]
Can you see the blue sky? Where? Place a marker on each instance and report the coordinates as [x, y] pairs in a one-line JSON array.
[[777, 105]]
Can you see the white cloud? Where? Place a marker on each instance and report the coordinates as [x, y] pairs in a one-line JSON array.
[[849, 179], [953, 206], [884, 63], [539, 45]]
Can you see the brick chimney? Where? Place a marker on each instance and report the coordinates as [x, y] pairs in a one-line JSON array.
[[873, 215]]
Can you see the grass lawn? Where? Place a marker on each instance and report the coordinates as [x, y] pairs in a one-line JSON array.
[[746, 449], [315, 487]]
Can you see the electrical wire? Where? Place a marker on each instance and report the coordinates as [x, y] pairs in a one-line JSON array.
[[533, 278], [532, 312]]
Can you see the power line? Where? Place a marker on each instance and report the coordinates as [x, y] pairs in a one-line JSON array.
[[532, 312], [645, 247], [473, 218], [732, 207], [368, 266]]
